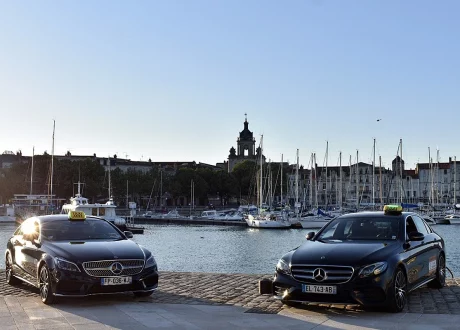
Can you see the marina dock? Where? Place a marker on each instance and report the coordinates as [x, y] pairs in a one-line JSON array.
[[218, 301], [188, 221]]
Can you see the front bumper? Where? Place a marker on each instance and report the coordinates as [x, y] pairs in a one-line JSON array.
[[67, 283], [370, 292]]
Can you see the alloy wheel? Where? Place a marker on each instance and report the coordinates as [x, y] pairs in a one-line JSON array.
[[9, 268], [44, 283], [400, 290], [442, 270]]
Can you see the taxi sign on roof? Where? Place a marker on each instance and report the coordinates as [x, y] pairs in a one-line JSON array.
[[77, 215], [394, 209]]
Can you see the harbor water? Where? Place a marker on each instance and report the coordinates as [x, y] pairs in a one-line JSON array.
[[231, 249]]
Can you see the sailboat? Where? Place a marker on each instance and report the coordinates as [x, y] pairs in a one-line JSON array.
[[311, 220], [105, 211], [266, 219]]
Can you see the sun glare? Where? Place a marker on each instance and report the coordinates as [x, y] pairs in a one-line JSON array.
[[29, 227]]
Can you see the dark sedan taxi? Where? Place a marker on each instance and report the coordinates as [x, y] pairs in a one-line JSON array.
[[75, 255], [367, 258]]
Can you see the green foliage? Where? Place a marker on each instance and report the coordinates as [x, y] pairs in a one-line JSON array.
[[95, 181], [244, 175]]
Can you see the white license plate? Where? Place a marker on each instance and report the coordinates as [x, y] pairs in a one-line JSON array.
[[323, 289], [116, 280]]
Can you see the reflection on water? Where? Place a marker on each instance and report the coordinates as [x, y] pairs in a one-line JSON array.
[[227, 249]]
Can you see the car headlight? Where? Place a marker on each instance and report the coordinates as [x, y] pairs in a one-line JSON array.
[[374, 269], [150, 262], [283, 267], [66, 265]]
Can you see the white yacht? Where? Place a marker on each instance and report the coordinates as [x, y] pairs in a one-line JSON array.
[[105, 211], [314, 221], [452, 219], [268, 220]]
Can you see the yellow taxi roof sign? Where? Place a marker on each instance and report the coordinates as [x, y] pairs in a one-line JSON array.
[[77, 215], [392, 209]]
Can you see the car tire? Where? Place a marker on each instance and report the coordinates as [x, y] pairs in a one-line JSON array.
[[440, 280], [44, 284], [397, 294], [9, 273], [142, 294]]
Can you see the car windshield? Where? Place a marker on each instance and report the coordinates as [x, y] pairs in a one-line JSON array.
[[79, 230], [361, 228]]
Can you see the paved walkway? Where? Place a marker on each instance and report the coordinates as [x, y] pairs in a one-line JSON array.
[[216, 301]]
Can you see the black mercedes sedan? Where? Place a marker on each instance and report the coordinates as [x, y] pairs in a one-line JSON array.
[[373, 259], [75, 255]]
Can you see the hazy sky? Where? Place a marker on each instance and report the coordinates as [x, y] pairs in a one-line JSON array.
[[172, 80]]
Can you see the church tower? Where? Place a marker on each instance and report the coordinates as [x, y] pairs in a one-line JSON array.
[[245, 149], [246, 142]]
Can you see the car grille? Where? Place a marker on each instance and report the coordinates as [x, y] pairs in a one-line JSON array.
[[333, 274], [104, 267]]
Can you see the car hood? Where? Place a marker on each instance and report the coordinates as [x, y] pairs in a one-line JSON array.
[[343, 253], [96, 250]]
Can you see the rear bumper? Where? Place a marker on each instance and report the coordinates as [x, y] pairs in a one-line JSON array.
[[67, 283]]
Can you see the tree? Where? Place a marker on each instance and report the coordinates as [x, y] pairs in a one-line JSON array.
[[244, 174]]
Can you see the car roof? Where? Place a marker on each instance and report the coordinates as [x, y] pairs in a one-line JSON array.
[[59, 217], [367, 214]]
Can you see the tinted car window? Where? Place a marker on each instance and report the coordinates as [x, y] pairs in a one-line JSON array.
[[362, 228], [79, 230], [421, 228]]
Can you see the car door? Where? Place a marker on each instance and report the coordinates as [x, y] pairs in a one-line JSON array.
[[30, 250], [17, 243], [416, 256], [430, 248]]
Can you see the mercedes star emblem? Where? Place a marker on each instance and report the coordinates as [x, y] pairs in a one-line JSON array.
[[116, 268], [319, 274]]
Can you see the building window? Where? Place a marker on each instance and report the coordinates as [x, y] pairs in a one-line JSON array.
[[415, 193], [445, 171]]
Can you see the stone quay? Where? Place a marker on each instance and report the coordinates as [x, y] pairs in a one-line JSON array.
[[218, 301]]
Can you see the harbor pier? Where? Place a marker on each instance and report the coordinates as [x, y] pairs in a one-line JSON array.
[[218, 301]]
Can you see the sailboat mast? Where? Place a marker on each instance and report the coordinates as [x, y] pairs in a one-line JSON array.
[[340, 186], [373, 177], [110, 185], [261, 174], [357, 181], [401, 171], [311, 181], [455, 179], [52, 165], [32, 170], [380, 179], [161, 188], [281, 187], [327, 147], [297, 184], [316, 183], [437, 176], [127, 194], [431, 177]]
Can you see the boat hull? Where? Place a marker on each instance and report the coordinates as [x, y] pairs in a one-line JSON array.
[[254, 222], [315, 222]]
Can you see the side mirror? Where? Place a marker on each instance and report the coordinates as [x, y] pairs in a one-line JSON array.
[[129, 234], [310, 235], [416, 236]]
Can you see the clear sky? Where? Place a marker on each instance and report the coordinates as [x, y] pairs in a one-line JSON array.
[[171, 80]]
